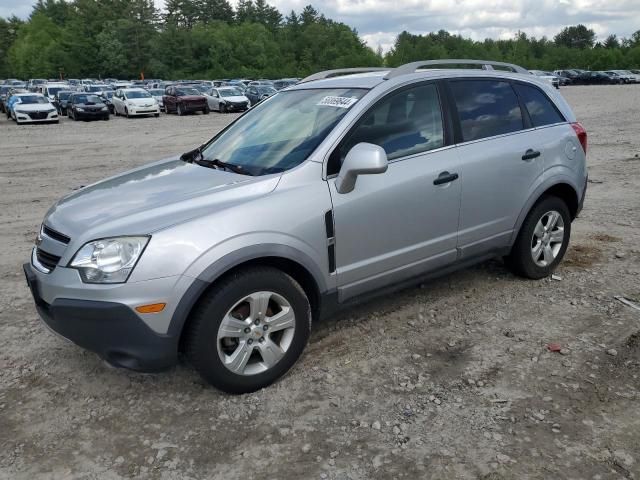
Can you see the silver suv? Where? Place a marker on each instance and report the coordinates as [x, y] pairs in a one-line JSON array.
[[349, 183]]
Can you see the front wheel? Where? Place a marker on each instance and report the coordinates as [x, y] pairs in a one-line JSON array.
[[543, 239], [179, 110], [249, 330], [206, 110], [223, 108]]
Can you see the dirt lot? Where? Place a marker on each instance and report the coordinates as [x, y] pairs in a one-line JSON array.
[[451, 379]]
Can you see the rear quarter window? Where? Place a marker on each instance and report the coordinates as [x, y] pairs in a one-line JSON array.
[[541, 109], [486, 108]]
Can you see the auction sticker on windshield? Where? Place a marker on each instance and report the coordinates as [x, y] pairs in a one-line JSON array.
[[340, 102]]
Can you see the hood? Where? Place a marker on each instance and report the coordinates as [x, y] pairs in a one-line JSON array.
[[141, 101], [151, 198], [236, 98], [33, 107], [90, 105], [192, 98]]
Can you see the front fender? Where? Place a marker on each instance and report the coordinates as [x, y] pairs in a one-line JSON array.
[[217, 265]]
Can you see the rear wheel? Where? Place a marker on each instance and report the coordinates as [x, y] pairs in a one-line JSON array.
[[126, 112], [249, 330], [543, 239], [180, 110]]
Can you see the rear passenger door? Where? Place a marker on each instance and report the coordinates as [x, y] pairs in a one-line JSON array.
[[501, 160], [404, 222]]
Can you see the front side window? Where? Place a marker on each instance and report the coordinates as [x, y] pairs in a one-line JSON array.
[[486, 108], [541, 110], [281, 133], [404, 123]]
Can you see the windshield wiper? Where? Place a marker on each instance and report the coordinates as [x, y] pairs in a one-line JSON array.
[[195, 156], [220, 164]]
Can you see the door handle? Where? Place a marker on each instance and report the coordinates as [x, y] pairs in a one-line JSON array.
[[530, 154], [445, 177]]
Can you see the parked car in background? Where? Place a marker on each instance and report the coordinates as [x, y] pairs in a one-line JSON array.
[[257, 93], [594, 78], [107, 96], [97, 88], [87, 106], [157, 93], [568, 74], [12, 98], [4, 93], [61, 101], [227, 99], [626, 76], [50, 90], [34, 83], [184, 99], [547, 77], [33, 108], [616, 79], [284, 83], [133, 102]]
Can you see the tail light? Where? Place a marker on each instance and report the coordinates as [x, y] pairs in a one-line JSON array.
[[582, 135]]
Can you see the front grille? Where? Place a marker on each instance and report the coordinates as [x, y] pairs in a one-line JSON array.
[[38, 115], [49, 232], [47, 259]]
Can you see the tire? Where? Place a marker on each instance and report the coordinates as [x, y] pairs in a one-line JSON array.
[[179, 110], [205, 349], [521, 259], [206, 110], [156, 115], [106, 119], [126, 112], [222, 107]]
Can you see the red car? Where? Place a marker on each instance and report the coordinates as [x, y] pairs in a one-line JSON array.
[[183, 100]]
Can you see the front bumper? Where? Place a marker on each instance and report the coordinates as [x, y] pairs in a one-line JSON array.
[[143, 110], [111, 329], [91, 115], [35, 118]]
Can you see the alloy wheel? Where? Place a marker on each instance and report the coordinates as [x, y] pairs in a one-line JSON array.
[[256, 333], [548, 237]]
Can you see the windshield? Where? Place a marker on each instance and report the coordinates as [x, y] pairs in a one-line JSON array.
[[108, 94], [137, 94], [281, 133], [229, 92], [64, 95], [266, 90], [33, 99], [156, 92], [86, 99], [53, 90], [202, 88], [187, 91]]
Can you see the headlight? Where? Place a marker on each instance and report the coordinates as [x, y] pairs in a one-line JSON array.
[[80, 109], [110, 260], [104, 109]]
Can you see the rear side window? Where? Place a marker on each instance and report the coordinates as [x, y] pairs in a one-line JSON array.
[[404, 123], [486, 108], [541, 110]]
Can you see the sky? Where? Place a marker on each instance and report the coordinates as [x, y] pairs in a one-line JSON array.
[[379, 21]]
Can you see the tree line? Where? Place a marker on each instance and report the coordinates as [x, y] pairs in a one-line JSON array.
[[211, 39]]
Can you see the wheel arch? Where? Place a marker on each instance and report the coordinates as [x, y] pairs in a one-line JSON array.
[[286, 259], [559, 187]]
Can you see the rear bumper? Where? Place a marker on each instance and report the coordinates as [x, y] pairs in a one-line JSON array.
[[110, 329]]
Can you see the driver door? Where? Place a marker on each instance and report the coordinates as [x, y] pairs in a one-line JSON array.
[[402, 223]]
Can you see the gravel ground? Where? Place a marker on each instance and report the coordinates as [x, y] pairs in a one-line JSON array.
[[451, 379]]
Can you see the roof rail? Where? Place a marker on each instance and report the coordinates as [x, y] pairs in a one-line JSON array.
[[341, 71], [486, 65]]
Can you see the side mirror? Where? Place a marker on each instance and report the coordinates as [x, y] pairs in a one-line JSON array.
[[362, 159]]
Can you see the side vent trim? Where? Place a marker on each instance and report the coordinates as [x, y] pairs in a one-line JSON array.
[[331, 240]]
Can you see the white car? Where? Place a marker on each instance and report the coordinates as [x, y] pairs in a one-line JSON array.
[[50, 90], [157, 93], [134, 102], [227, 99], [96, 88], [547, 77], [33, 108]]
